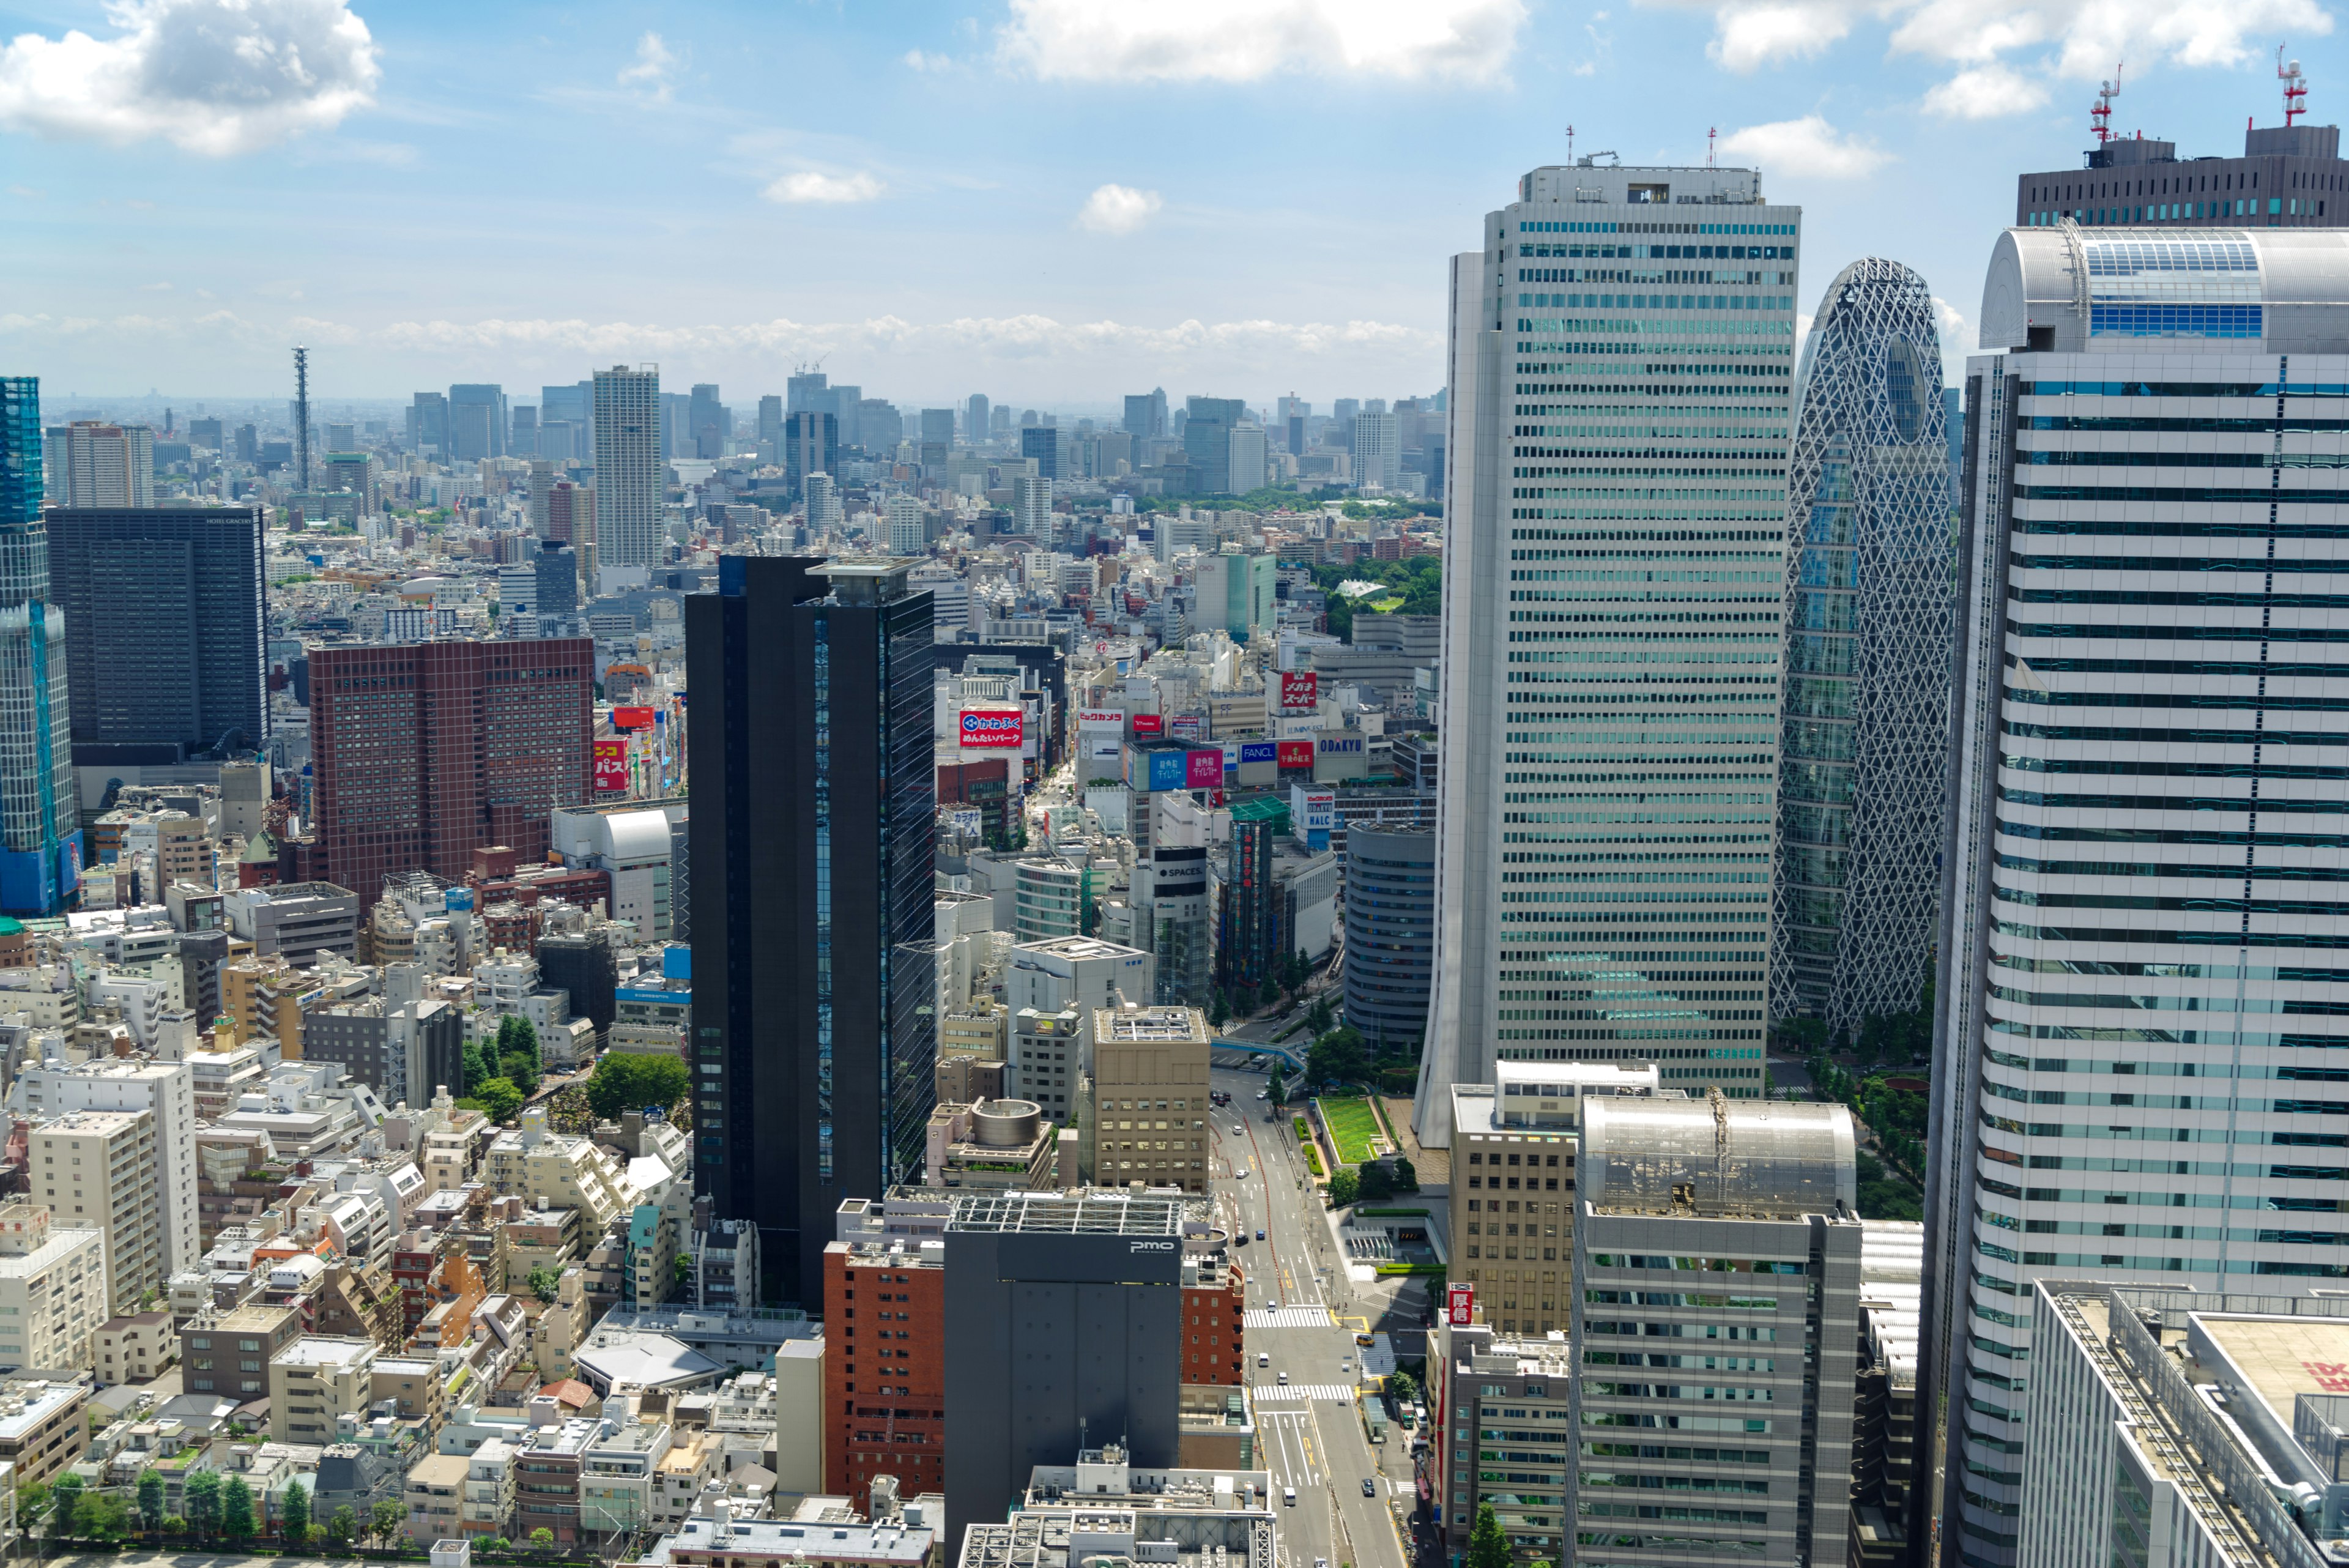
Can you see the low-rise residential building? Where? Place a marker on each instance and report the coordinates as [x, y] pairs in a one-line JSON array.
[[53, 1290], [315, 1381], [134, 1347], [434, 1498], [616, 1475], [559, 1170], [823, 1529], [546, 1477], [102, 1168], [42, 1428], [227, 1354], [488, 1502]]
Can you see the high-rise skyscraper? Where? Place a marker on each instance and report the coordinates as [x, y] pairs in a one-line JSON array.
[[2290, 176], [937, 426], [1031, 505], [1049, 445], [1376, 458], [628, 480], [1207, 441], [427, 426], [422, 752], [166, 626], [1612, 580], [1146, 413], [2144, 991], [975, 428], [1864, 757], [710, 421], [811, 445], [807, 389], [478, 421], [771, 427], [40, 833], [92, 464], [812, 855]]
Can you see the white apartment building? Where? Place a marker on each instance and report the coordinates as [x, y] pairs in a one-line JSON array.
[[1614, 594], [166, 1091], [91, 463], [101, 1169], [53, 1292]]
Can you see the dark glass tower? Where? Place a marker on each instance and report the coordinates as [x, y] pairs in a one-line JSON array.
[[811, 851]]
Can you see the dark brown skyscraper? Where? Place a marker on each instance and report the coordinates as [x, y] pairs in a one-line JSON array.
[[423, 752]]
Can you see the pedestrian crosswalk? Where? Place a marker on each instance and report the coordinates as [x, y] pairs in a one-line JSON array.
[[1342, 1393], [1288, 1317]]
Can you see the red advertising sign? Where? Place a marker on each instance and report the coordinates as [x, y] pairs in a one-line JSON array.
[[1204, 769], [632, 718], [611, 766], [1299, 689], [1296, 753], [1459, 1304], [991, 727], [1149, 724]]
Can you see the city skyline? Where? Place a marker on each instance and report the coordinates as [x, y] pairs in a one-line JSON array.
[[142, 252]]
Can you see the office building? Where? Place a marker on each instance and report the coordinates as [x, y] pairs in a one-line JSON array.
[[92, 464], [1207, 441], [1390, 950], [53, 1292], [1864, 750], [1077, 972], [2131, 898], [628, 467], [422, 752], [823, 506], [974, 419], [937, 426], [101, 1169], [1761, 1197], [1173, 916], [1248, 457], [1513, 1198], [556, 570], [1236, 592], [427, 426], [404, 1051], [1377, 458], [1068, 1321], [1048, 446], [710, 421], [884, 1373], [771, 427], [40, 830], [1475, 1374], [1145, 414], [1031, 505], [2290, 176], [1149, 1120], [2185, 1429], [1886, 1429], [810, 446], [813, 871], [166, 623], [1645, 712], [907, 527], [478, 421]]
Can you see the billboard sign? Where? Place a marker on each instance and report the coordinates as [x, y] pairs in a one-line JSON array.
[[1204, 769], [1299, 690], [991, 727], [1459, 1305], [1163, 770], [1102, 719], [1149, 724], [1253, 752], [1310, 813], [1342, 745], [632, 718], [611, 766], [1296, 753], [1187, 725]]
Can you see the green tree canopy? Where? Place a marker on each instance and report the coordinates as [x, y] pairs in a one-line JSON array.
[[236, 1509], [518, 1053], [499, 1098], [544, 1282], [1345, 1186], [1376, 1180], [342, 1528], [66, 1500], [294, 1511], [150, 1498], [627, 1081], [1487, 1547], [477, 1068], [1338, 1057], [203, 1491]]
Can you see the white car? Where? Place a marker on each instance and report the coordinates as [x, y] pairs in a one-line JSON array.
[[1263, 1094]]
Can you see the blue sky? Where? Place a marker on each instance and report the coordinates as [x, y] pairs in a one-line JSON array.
[[1052, 202]]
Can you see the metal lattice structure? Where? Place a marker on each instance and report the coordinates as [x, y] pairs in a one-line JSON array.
[[1865, 737]]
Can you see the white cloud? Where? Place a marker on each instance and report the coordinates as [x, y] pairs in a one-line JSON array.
[[1808, 146], [916, 60], [807, 185], [1985, 92], [655, 69], [1118, 210], [2009, 53], [1247, 40], [213, 77]]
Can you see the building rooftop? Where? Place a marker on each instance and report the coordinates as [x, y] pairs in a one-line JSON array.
[[27, 1402], [1133, 1025], [1100, 1213], [327, 1351], [908, 1540], [1717, 1156]]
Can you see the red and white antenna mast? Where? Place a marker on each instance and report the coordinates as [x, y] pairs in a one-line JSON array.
[[1710, 132], [2295, 88], [2100, 118]]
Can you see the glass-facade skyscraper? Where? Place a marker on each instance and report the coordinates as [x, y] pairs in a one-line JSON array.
[[629, 468], [40, 833], [1622, 355], [2144, 992], [1863, 752], [812, 852]]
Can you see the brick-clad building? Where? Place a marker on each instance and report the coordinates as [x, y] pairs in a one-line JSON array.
[[884, 1368], [422, 752], [1214, 1310]]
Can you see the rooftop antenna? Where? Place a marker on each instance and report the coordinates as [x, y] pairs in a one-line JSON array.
[[2295, 88], [1710, 132], [1570, 147], [2100, 118], [302, 412]]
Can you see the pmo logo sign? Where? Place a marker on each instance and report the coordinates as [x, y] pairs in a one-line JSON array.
[[1159, 1246], [991, 727]]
